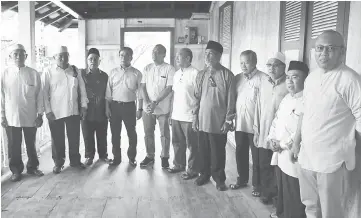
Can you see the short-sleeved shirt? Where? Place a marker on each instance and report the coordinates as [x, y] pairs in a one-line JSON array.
[[156, 79], [123, 84], [184, 85], [247, 88], [21, 96], [332, 113]]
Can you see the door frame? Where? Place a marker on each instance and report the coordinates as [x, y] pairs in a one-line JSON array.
[[151, 29]]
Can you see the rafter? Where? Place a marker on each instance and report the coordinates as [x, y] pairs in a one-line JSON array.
[[61, 16], [46, 14], [65, 25], [67, 9], [41, 5], [8, 6]]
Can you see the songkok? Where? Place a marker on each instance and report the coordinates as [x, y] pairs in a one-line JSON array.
[[16, 47], [298, 65], [93, 51], [60, 49], [279, 56], [214, 46]]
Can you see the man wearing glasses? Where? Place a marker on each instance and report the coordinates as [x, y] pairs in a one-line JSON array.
[[271, 92], [21, 111], [62, 85], [330, 127], [213, 115]]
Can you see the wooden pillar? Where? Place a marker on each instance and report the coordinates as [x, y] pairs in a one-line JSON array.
[[82, 42], [26, 28]]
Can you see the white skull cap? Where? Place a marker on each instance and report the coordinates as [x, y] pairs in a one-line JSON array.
[[16, 47], [279, 56]]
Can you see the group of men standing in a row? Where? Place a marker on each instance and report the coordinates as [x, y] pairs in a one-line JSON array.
[[273, 113]]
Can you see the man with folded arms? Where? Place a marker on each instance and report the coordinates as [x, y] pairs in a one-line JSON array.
[[213, 115], [184, 84], [280, 139], [21, 111], [272, 90], [122, 92]]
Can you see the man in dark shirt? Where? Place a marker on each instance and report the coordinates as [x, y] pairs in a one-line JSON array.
[[96, 120]]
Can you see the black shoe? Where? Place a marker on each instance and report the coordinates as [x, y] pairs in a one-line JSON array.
[[146, 162], [188, 176], [57, 169], [266, 200], [88, 161], [165, 163], [114, 162], [80, 166], [15, 177], [35, 172], [221, 186], [238, 184], [201, 180], [133, 162], [176, 169], [105, 159]]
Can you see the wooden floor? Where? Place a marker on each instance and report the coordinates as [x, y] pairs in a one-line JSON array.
[[125, 191]]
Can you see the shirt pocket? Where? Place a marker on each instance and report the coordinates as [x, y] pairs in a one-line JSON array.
[[29, 90], [162, 81], [131, 82]]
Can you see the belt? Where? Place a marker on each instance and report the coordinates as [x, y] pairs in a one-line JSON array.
[[122, 102]]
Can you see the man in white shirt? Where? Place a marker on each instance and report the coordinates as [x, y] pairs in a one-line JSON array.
[[184, 84], [247, 86], [272, 90], [156, 89], [62, 84], [280, 139], [122, 93], [21, 111], [330, 129]]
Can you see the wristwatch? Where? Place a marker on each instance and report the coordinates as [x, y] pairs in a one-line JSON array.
[[229, 122]]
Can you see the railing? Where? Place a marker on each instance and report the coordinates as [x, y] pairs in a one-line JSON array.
[[43, 137]]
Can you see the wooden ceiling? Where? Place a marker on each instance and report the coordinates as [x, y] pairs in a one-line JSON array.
[[138, 9]]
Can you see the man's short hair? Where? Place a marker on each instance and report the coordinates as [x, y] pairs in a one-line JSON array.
[[250, 54], [128, 50], [189, 53], [161, 48]]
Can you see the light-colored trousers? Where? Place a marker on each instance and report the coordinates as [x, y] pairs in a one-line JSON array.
[[323, 193], [149, 121]]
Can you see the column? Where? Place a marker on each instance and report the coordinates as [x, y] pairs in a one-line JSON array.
[[26, 28], [82, 43]]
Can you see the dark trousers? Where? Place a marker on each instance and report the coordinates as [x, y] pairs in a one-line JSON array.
[[264, 171], [289, 203], [15, 138], [243, 142], [123, 112], [212, 155], [72, 124], [100, 128], [182, 137]]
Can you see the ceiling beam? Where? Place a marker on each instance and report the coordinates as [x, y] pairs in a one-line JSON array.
[[8, 6], [61, 16], [67, 9], [141, 13], [41, 5], [65, 25], [46, 14]]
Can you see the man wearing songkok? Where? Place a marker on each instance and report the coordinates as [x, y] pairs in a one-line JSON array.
[[280, 139], [330, 127], [213, 115], [271, 92], [62, 86], [122, 93], [21, 111], [157, 85], [184, 84], [247, 86], [95, 121]]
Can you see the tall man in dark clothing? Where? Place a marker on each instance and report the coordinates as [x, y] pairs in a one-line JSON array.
[[213, 115], [96, 120]]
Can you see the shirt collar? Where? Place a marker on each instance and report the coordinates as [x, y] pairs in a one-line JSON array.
[[59, 68], [251, 74], [298, 94], [125, 68], [187, 68], [88, 71], [278, 81]]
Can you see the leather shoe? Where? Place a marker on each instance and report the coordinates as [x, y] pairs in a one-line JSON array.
[[221, 187], [105, 159], [175, 169], [36, 172], [57, 169], [188, 176], [266, 200], [80, 166], [201, 180], [133, 163], [88, 161], [15, 177], [114, 162]]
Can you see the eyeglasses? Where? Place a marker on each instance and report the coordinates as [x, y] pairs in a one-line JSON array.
[[212, 82], [330, 48]]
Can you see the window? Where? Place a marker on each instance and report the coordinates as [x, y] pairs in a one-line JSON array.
[[225, 32]]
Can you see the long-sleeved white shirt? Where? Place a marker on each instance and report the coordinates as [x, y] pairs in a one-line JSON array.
[[60, 89], [283, 129], [332, 114], [21, 96]]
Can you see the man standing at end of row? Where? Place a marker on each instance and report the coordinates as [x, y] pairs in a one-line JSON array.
[[213, 115]]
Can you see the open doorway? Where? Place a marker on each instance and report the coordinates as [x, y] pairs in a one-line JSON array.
[[143, 40]]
